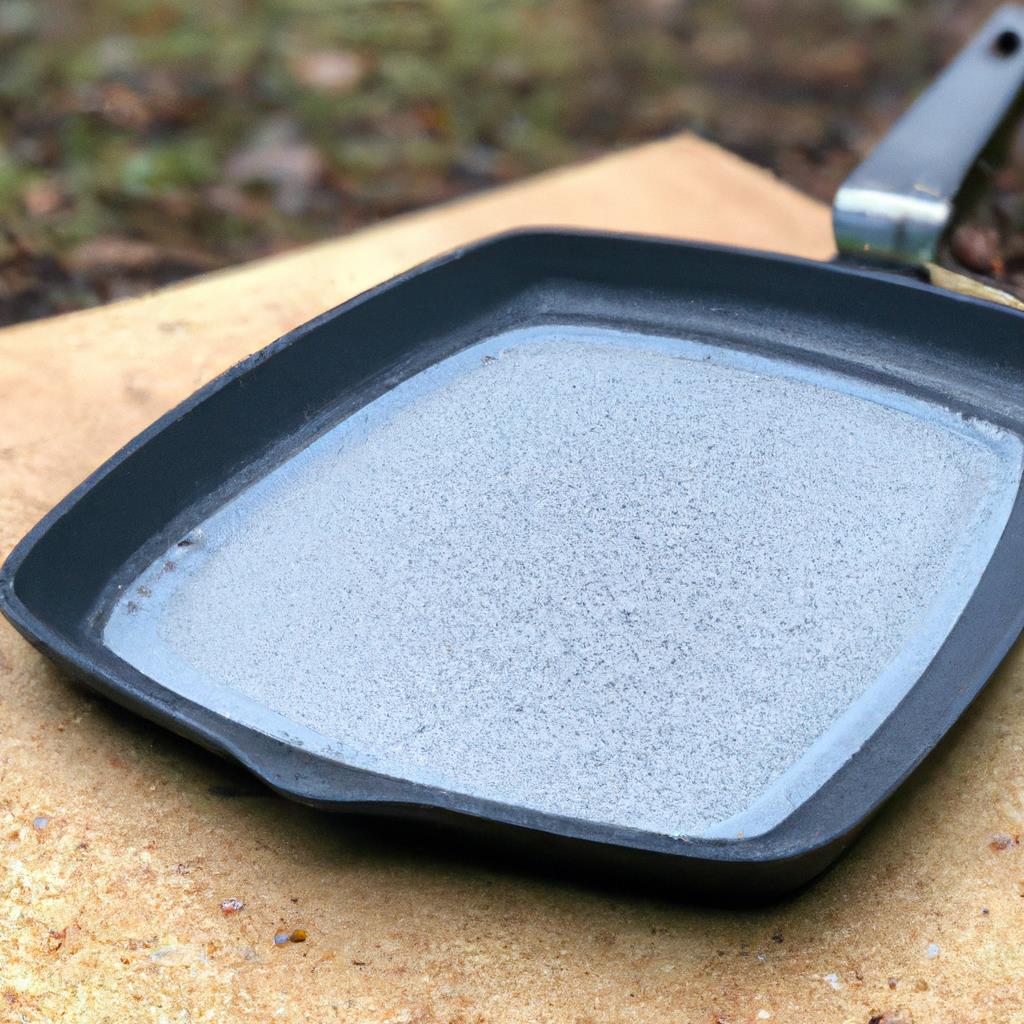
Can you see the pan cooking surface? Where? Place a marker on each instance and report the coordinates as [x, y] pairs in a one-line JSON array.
[[632, 580]]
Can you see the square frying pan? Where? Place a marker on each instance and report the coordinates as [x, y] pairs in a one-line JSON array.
[[208, 490]]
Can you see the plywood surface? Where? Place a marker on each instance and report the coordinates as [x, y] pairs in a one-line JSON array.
[[119, 842]]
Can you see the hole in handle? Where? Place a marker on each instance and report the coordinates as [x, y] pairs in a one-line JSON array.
[[1006, 43]]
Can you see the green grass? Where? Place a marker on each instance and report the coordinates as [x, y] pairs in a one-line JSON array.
[[124, 118]]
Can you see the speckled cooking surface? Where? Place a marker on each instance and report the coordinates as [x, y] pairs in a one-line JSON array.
[[627, 579], [111, 911]]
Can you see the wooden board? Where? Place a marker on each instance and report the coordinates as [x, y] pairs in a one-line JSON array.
[[120, 842]]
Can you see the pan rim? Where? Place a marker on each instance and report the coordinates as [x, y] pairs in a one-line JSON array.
[[780, 844]]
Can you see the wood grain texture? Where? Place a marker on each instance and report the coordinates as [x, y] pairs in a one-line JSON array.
[[111, 910]]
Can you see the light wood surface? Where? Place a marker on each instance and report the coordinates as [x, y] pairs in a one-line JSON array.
[[110, 911]]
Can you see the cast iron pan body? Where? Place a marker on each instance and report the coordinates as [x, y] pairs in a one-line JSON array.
[[967, 355]]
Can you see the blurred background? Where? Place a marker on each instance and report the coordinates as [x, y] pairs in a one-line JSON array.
[[142, 141]]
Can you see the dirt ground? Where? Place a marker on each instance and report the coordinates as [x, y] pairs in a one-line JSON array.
[[142, 141]]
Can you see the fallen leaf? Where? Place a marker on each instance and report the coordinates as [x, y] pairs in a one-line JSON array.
[[330, 71]]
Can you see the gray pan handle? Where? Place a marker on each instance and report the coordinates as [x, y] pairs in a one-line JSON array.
[[896, 205]]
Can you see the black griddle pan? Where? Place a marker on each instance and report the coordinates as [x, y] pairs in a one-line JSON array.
[[883, 328]]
